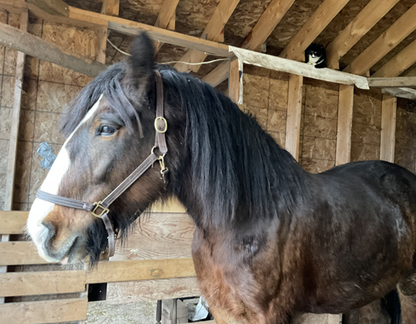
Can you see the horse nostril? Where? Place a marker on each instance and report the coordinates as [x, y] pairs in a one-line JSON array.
[[50, 232]]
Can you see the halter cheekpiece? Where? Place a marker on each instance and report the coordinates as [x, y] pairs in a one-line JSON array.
[[101, 209]]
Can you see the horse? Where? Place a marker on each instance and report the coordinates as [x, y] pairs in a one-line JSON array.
[[270, 239]]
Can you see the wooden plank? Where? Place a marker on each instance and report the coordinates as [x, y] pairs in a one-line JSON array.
[[48, 311], [110, 7], [19, 253], [158, 236], [298, 68], [393, 82], [234, 81], [166, 19], [398, 64], [407, 93], [53, 7], [12, 222], [388, 128], [212, 32], [138, 291], [119, 271], [266, 24], [312, 28], [133, 28], [294, 110], [387, 41], [356, 29], [41, 283], [218, 75], [345, 110], [14, 132], [34, 46]]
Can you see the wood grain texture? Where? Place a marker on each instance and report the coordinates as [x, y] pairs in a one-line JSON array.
[[158, 236], [356, 29], [110, 7], [387, 41], [234, 81], [294, 111], [12, 222], [312, 28], [393, 82], [41, 283], [345, 111], [19, 253], [388, 128], [166, 19], [40, 312], [398, 64], [407, 93], [212, 32], [119, 271], [147, 290], [53, 7]]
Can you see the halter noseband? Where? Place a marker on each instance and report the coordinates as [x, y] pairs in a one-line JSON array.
[[100, 209]]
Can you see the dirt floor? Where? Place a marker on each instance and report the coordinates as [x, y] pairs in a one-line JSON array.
[[137, 313]]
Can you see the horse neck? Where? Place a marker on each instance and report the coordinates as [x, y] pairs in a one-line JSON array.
[[233, 172]]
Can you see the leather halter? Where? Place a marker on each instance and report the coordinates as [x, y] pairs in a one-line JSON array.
[[101, 209]]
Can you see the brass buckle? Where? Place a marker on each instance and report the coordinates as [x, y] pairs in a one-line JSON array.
[[103, 209], [166, 125]]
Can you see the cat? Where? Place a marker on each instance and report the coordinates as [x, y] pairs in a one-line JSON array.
[[315, 55]]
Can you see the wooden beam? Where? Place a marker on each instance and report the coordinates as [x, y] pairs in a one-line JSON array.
[[39, 312], [19, 253], [110, 7], [166, 19], [218, 75], [215, 26], [14, 133], [41, 283], [12, 222], [356, 29], [345, 110], [298, 68], [53, 7], [388, 128], [258, 35], [266, 24], [393, 82], [294, 111], [234, 81], [34, 46], [388, 40], [407, 93], [119, 271], [398, 64], [312, 28]]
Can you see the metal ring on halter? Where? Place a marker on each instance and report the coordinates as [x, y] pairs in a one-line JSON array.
[[164, 121]]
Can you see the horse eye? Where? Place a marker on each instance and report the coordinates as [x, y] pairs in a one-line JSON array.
[[107, 130]]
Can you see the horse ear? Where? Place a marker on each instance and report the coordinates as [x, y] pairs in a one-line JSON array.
[[142, 60]]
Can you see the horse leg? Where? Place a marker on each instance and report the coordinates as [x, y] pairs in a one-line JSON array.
[[407, 294]]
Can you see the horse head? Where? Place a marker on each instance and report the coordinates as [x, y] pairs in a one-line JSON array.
[[110, 131]]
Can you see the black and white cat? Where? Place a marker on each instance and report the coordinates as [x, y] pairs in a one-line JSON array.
[[315, 55]]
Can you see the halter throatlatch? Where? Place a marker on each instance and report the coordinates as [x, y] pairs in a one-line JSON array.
[[101, 209]]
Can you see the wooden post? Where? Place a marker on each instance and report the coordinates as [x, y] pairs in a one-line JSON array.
[[388, 128], [294, 109], [234, 81], [345, 108], [14, 134]]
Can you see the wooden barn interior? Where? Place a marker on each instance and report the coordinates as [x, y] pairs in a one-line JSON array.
[[362, 107]]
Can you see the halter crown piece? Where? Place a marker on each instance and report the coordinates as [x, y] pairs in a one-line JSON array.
[[101, 209]]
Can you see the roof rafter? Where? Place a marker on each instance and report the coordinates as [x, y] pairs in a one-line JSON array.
[[53, 7], [110, 7], [388, 40], [312, 28], [258, 35], [216, 24], [166, 18], [356, 29], [398, 64]]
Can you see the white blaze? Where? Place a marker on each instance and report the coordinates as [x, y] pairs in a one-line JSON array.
[[41, 208]]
